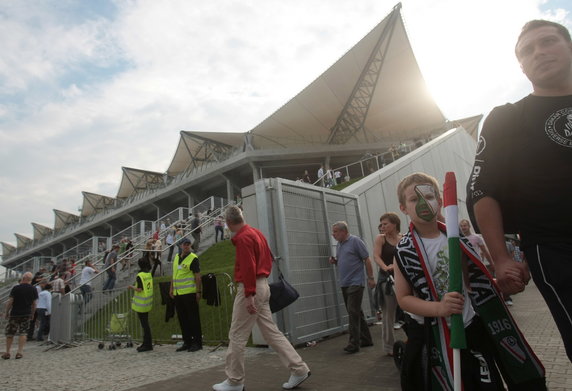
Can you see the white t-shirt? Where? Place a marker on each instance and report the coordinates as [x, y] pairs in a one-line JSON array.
[[45, 301], [437, 256], [86, 274]]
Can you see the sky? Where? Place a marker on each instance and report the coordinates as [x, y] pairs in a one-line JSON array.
[[87, 87]]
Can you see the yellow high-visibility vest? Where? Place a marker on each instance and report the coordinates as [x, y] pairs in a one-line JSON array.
[[183, 276], [143, 301]]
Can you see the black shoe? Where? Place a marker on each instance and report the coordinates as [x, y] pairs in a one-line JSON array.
[[351, 349], [182, 348], [144, 348], [366, 345], [194, 348]]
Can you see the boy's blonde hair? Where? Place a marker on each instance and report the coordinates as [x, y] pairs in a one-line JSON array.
[[418, 178]]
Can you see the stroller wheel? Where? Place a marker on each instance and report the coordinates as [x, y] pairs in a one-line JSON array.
[[398, 352], [100, 346]]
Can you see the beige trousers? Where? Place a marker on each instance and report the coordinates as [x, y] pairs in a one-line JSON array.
[[388, 310], [241, 327]]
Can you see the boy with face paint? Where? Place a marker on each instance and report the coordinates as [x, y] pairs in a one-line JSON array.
[[421, 286]]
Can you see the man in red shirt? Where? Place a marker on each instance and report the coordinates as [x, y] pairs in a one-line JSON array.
[[251, 270]]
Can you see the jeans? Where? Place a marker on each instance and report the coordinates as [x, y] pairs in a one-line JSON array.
[[219, 228], [43, 318], [86, 293], [358, 329], [110, 283]]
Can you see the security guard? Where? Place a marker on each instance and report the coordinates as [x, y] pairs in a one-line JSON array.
[[186, 290], [143, 302]]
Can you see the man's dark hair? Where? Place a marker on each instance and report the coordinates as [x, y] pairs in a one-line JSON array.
[[536, 23]]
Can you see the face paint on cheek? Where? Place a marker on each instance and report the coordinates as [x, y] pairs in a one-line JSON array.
[[427, 205]]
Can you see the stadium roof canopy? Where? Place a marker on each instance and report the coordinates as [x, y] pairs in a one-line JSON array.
[[373, 93], [377, 83], [22, 240], [135, 180], [41, 230], [7, 248], [197, 148], [63, 218], [93, 203]]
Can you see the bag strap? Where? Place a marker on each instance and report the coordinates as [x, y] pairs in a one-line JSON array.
[[275, 260]]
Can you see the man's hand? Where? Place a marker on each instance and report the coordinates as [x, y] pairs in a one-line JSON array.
[[198, 295], [512, 276], [333, 260], [371, 283], [250, 306], [451, 303]]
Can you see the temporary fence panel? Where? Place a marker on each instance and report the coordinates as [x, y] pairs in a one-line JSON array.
[[297, 220]]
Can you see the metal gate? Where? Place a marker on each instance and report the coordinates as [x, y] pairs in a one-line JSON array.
[[297, 220]]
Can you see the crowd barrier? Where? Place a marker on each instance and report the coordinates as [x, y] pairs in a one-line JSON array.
[[107, 316]]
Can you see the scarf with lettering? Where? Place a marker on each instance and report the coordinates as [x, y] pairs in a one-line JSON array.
[[518, 361]]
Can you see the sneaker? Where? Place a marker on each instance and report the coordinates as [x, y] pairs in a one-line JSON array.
[[398, 325], [183, 348], [228, 386], [144, 348], [351, 349], [295, 381], [508, 302]]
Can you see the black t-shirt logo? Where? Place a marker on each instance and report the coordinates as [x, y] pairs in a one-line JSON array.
[[481, 145], [558, 127]]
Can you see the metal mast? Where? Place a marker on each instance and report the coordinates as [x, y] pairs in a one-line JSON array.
[[352, 118]]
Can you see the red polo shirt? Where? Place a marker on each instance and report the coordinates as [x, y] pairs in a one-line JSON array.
[[253, 258]]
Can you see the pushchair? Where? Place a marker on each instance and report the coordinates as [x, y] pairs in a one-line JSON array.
[[117, 331]]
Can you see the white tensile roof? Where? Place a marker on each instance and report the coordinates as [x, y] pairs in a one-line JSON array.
[[22, 240], [63, 218], [196, 148], [134, 180], [93, 203], [41, 230], [400, 107]]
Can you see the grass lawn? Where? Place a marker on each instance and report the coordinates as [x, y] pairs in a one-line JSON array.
[[346, 184]]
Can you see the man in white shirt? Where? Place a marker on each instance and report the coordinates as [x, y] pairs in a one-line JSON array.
[[44, 310], [87, 274]]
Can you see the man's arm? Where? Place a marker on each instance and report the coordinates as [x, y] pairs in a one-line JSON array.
[[9, 304], [369, 271], [199, 285], [34, 306], [511, 276]]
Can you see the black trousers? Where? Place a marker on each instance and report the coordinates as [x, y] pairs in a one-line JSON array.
[[358, 329], [189, 319], [144, 320], [551, 269]]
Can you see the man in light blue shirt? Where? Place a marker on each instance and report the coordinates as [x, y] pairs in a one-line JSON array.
[[352, 254]]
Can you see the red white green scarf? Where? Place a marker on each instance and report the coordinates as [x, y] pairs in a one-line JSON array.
[[519, 363]]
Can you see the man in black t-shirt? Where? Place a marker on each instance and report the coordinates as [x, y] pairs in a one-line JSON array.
[[522, 177], [19, 309]]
